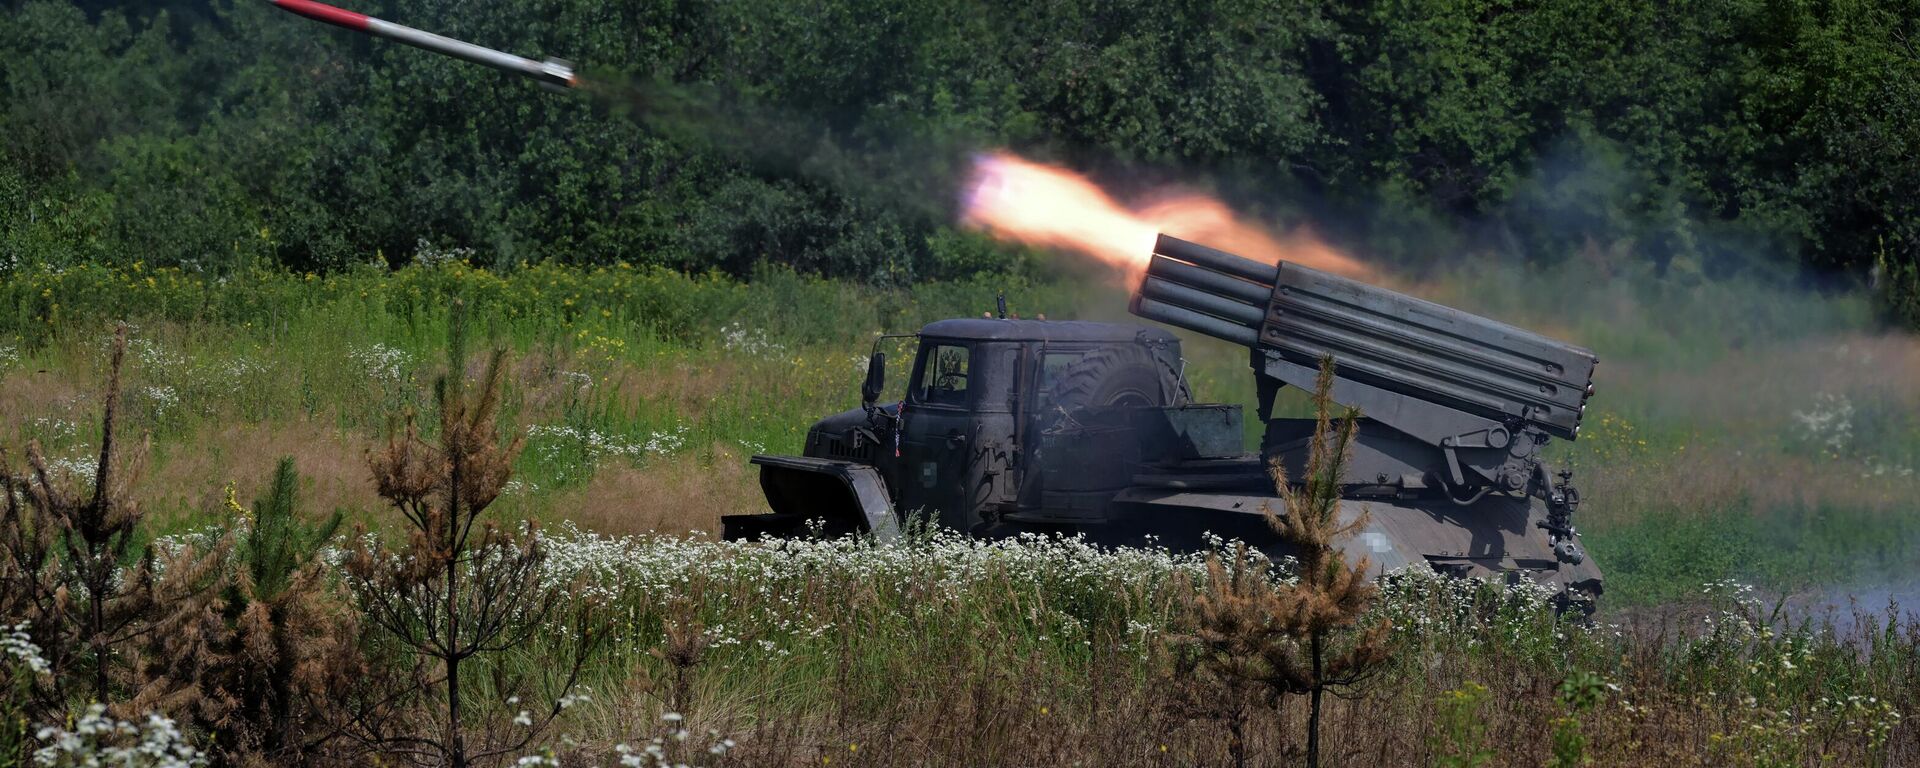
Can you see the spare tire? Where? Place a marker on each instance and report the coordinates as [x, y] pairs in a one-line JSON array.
[[1119, 375]]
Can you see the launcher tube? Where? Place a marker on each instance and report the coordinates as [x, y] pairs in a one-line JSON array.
[[1210, 281], [1194, 321], [1201, 301], [1216, 260], [550, 72], [1381, 338]]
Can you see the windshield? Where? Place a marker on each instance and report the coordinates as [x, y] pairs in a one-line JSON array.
[[942, 378]]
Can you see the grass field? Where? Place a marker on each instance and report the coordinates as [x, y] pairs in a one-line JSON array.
[[1737, 433], [952, 652]]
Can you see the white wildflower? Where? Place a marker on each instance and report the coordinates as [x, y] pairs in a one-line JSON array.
[[151, 356], [383, 363], [161, 398], [98, 740], [53, 429], [78, 469], [427, 254], [752, 340], [16, 643], [1828, 424]]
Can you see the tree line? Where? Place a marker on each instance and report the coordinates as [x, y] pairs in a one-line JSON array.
[[1708, 138]]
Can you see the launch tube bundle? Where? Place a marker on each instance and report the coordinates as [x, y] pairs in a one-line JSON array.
[[1485, 395]]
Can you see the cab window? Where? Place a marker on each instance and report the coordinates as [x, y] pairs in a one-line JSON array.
[[1052, 365], [943, 375]]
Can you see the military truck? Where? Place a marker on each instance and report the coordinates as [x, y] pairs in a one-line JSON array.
[[1014, 425]]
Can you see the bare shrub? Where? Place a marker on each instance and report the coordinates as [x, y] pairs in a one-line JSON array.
[[64, 567], [462, 593]]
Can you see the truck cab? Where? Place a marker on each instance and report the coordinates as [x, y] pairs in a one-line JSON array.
[[973, 444]]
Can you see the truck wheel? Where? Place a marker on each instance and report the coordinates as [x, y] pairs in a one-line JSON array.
[[1119, 375]]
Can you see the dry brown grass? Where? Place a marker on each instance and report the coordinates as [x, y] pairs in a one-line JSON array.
[[686, 387], [681, 494], [540, 389], [1709, 481], [26, 395], [1727, 433], [546, 382], [967, 700], [189, 475], [1758, 389]]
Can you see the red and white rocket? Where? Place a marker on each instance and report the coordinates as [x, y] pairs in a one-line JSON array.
[[551, 72]]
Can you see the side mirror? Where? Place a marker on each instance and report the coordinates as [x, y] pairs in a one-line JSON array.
[[876, 378]]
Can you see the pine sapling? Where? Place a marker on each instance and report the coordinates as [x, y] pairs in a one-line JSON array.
[[73, 565], [259, 666], [1324, 606], [1247, 632], [462, 591]]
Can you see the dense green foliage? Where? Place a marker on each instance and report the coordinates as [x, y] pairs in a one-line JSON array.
[[827, 135]]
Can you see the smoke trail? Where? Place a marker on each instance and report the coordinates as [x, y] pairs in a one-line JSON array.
[[915, 174]]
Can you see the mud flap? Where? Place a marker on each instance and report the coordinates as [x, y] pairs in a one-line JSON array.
[[848, 498]]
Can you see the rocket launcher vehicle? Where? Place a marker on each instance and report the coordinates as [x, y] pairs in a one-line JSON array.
[[552, 73], [1013, 426], [1465, 400]]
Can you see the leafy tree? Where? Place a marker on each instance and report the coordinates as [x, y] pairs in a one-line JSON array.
[[827, 136]]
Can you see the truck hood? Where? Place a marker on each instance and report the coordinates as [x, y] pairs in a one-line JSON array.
[[850, 436]]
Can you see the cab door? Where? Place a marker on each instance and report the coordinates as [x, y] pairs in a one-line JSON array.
[[934, 437], [958, 443]]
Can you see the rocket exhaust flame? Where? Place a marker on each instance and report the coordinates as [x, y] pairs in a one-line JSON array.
[[1051, 207]]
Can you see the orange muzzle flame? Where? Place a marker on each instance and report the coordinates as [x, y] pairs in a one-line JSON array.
[[1051, 207]]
